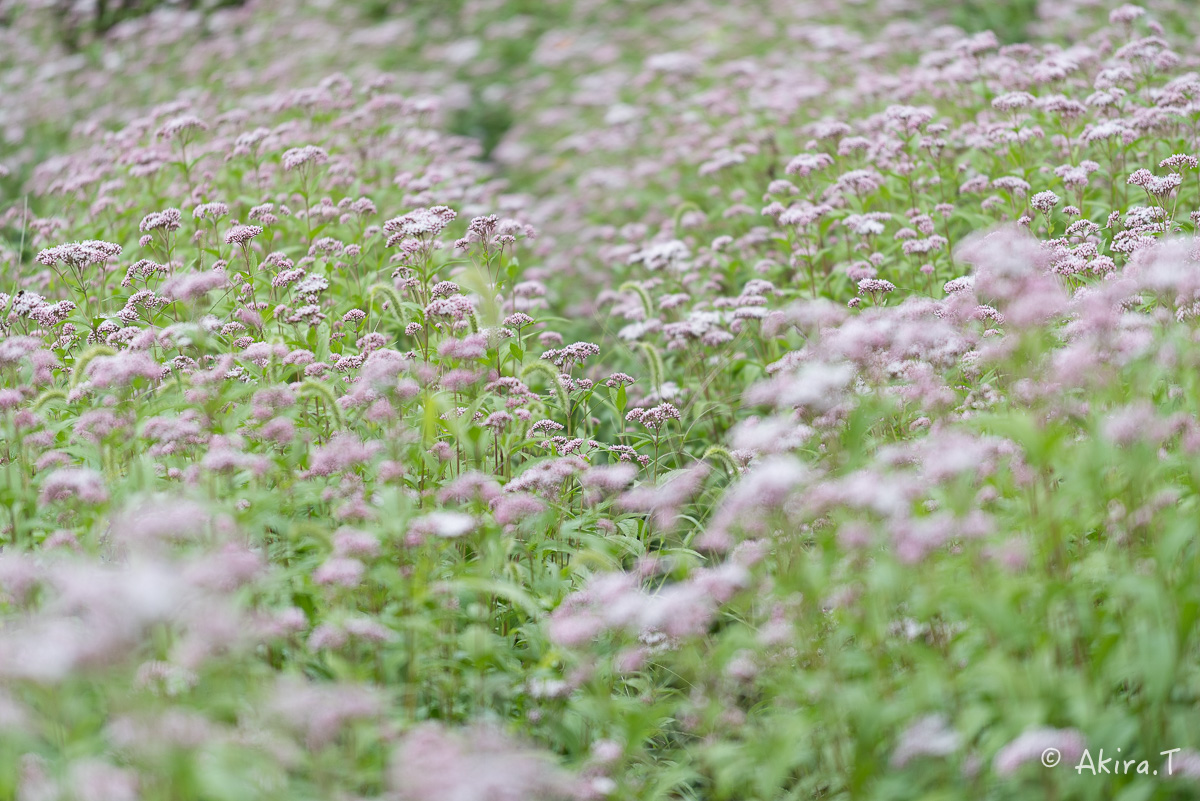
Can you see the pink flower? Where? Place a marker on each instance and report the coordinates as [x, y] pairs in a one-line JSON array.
[[211, 211], [95, 780], [1044, 201], [181, 127], [340, 570], [299, 156], [515, 507], [1030, 746], [875, 286], [351, 542], [447, 525], [241, 234], [168, 220], [426, 222], [79, 254], [1011, 101], [320, 710], [807, 163], [66, 483], [341, 453], [481, 763], [107, 372], [1185, 764], [1126, 14]]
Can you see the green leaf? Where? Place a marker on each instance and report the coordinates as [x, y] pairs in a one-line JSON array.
[[509, 592]]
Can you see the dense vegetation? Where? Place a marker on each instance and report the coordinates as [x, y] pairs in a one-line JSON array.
[[509, 400]]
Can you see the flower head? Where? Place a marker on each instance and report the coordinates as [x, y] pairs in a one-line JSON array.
[[79, 254], [242, 234], [298, 157]]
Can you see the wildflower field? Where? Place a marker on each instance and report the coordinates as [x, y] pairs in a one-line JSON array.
[[514, 400]]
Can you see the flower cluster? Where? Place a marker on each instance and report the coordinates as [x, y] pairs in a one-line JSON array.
[[710, 419]]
